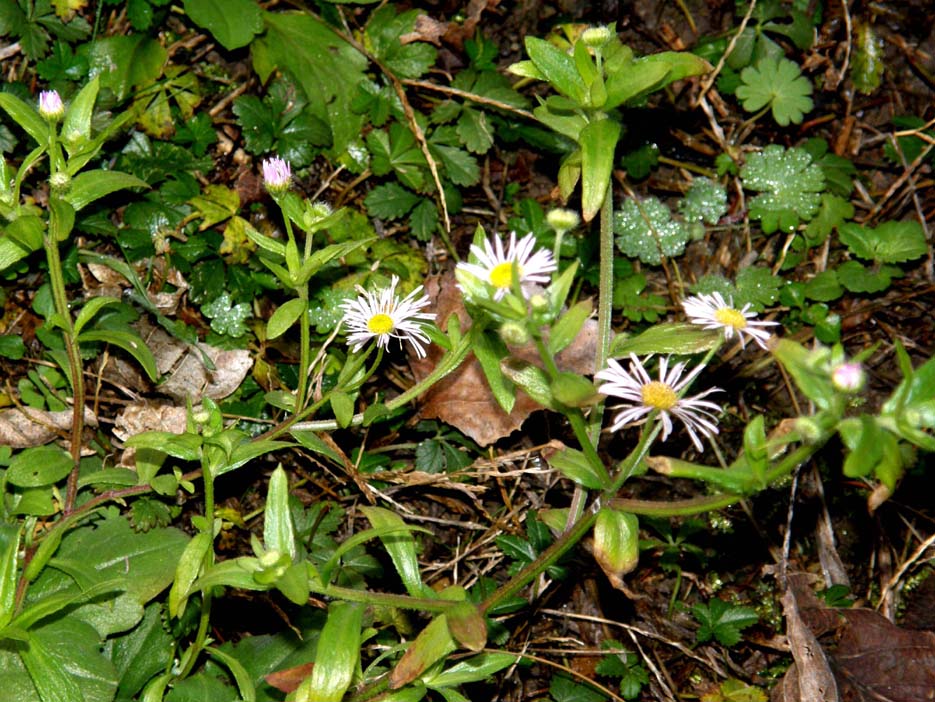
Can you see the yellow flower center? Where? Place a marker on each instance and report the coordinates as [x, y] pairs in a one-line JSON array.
[[501, 276], [659, 396], [380, 324], [730, 317]]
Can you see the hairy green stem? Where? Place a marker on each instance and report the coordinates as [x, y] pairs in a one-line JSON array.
[[305, 342], [556, 550], [75, 366], [605, 298]]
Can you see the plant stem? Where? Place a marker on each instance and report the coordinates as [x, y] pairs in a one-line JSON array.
[[556, 550], [75, 366], [605, 298], [305, 342]]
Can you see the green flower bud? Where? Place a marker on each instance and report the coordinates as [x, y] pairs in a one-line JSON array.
[[514, 334], [596, 37], [616, 544], [562, 220], [60, 182]]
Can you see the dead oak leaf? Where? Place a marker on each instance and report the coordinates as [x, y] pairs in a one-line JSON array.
[[463, 398], [872, 659]]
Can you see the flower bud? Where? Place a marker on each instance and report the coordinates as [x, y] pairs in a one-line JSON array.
[[50, 105], [616, 544], [514, 334], [60, 182], [539, 302], [562, 220], [596, 37], [848, 377], [277, 174]]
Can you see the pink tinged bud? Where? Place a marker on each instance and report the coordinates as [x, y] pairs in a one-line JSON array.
[[50, 105], [276, 173], [848, 377]]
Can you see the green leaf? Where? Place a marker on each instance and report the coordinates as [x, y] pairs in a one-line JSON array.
[[327, 68], [9, 550], [278, 530], [26, 116], [598, 141], [390, 201], [432, 644], [833, 212], [215, 204], [474, 669], [790, 185], [65, 665], [558, 68], [778, 83], [867, 63], [284, 317], [142, 653], [39, 466], [189, 567], [423, 220], [574, 465], [626, 666], [824, 287], [460, 167], [123, 62], [666, 338], [891, 242], [646, 230], [337, 655], [757, 286], [91, 308], [475, 131], [567, 327], [705, 201], [92, 185], [226, 317], [130, 342], [401, 547], [233, 23], [563, 689], [722, 621], [490, 351], [76, 126], [245, 684], [629, 82], [857, 278]]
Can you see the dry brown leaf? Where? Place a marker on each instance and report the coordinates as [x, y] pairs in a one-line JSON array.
[[288, 680], [186, 377], [135, 419], [426, 29], [24, 427], [873, 660], [463, 399]]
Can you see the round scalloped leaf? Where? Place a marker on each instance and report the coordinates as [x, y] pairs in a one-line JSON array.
[[705, 201], [647, 231], [778, 83], [790, 185], [891, 242]]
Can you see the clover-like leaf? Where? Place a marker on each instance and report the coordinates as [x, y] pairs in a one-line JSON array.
[[891, 242], [790, 185], [646, 230], [226, 317], [722, 621], [779, 84], [705, 201]]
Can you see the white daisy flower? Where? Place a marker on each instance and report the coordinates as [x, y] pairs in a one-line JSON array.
[[714, 312], [383, 316], [495, 266], [647, 395], [277, 174]]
